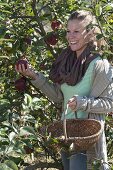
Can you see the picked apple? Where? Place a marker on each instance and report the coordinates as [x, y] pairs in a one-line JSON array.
[[20, 62], [20, 84]]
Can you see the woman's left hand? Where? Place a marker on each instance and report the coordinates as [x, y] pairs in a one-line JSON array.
[[72, 103]]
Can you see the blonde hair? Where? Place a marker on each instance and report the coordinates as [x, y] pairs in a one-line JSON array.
[[90, 24]]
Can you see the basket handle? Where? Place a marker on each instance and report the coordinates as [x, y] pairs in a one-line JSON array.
[[64, 122]]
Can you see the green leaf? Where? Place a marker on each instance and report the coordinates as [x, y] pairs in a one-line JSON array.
[[17, 160], [4, 101], [27, 130], [28, 99], [104, 0], [108, 7], [5, 11], [98, 9], [4, 57], [36, 99], [4, 4], [11, 164], [4, 167], [2, 32], [11, 136], [99, 36], [10, 149]]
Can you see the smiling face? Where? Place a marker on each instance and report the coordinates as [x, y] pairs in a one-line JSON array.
[[77, 36]]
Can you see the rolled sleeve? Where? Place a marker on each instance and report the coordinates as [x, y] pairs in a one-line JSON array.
[[94, 105], [39, 82]]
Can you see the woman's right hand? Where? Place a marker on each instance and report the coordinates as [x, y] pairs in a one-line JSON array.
[[72, 103], [27, 72]]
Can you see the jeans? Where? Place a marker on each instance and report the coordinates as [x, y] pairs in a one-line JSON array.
[[76, 161]]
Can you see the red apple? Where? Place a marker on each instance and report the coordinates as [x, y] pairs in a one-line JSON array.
[[28, 150], [20, 84], [51, 39], [55, 24], [27, 40], [22, 61], [42, 66], [7, 36]]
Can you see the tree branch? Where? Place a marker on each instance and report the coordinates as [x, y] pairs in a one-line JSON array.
[[22, 17], [43, 7]]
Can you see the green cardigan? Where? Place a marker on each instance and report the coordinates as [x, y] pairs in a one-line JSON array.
[[83, 88]]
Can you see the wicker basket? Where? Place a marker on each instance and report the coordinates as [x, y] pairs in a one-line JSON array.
[[82, 132]]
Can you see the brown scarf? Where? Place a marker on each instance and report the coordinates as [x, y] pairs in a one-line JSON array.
[[69, 69]]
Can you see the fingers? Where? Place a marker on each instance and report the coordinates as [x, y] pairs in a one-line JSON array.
[[21, 69], [29, 72], [72, 103], [73, 99]]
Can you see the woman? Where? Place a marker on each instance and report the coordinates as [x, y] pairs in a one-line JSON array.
[[82, 80]]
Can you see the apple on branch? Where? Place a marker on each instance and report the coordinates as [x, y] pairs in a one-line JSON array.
[[55, 24], [51, 39], [20, 84], [27, 40]]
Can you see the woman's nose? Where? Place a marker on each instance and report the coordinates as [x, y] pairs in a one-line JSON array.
[[72, 34]]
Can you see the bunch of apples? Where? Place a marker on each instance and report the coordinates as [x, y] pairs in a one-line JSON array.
[[52, 38]]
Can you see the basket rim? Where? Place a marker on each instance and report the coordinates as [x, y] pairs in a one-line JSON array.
[[78, 119], [87, 137]]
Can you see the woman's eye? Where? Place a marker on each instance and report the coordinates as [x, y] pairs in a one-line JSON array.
[[67, 31], [72, 32], [75, 31]]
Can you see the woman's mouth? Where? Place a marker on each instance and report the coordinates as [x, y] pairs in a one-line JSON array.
[[73, 42]]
